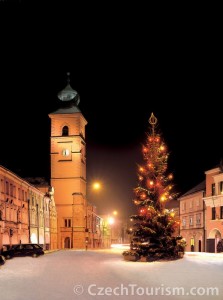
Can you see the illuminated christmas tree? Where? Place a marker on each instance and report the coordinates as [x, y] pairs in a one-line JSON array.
[[153, 228]]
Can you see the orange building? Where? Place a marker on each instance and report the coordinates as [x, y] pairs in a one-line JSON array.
[[49, 211], [24, 212], [214, 207], [201, 213], [68, 173], [192, 218]]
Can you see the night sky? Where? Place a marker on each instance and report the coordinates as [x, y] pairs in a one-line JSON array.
[[123, 71]]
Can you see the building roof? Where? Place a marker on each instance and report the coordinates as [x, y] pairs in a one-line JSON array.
[[37, 181], [68, 93], [69, 100], [67, 110], [26, 180], [198, 188]]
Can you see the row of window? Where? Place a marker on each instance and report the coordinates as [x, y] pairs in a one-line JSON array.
[[214, 215], [39, 203], [191, 220], [14, 215], [190, 204], [21, 215], [10, 190], [92, 222], [198, 217]]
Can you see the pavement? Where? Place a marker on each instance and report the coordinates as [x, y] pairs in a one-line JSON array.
[[50, 251], [112, 249], [204, 254]]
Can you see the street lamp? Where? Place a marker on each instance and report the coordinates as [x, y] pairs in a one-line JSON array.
[[96, 186], [111, 221]]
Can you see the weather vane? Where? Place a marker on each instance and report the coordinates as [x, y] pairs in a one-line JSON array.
[[68, 77]]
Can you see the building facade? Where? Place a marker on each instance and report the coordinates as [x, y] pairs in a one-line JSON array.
[[214, 207], [24, 212], [77, 220], [49, 211], [192, 218]]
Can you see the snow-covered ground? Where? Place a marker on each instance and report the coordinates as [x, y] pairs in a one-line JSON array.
[[103, 274]]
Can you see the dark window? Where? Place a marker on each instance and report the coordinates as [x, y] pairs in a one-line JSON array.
[[213, 213], [213, 189], [221, 212], [7, 188], [67, 222], [221, 187], [11, 190], [65, 131]]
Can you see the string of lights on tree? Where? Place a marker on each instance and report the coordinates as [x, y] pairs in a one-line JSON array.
[[154, 188], [153, 221]]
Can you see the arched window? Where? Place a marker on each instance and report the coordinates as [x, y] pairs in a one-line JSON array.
[[65, 131]]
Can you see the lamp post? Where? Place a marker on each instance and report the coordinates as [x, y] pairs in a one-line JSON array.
[[94, 188], [50, 194], [111, 222]]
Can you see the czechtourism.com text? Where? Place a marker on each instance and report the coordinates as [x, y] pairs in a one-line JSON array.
[[136, 290]]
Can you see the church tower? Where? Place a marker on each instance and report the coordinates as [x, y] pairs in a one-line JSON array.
[[68, 169]]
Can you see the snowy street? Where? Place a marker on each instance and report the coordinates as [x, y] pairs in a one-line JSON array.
[[103, 274]]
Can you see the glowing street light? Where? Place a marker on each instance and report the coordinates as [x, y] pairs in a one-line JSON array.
[[111, 220], [96, 186]]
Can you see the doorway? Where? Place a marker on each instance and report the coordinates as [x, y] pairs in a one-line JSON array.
[[199, 245], [67, 242]]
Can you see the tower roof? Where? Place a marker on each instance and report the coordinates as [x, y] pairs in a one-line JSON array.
[[69, 94], [67, 110]]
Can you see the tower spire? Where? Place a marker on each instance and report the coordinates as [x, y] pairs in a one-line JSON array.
[[68, 77], [69, 94]]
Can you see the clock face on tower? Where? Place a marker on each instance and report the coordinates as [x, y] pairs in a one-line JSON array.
[[65, 152]]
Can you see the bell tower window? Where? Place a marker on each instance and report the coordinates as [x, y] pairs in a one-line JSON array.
[[65, 131]]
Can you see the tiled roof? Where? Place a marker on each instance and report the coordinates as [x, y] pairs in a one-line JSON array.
[[200, 187]]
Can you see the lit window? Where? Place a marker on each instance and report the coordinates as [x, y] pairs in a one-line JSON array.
[[198, 219], [213, 189], [191, 220]]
